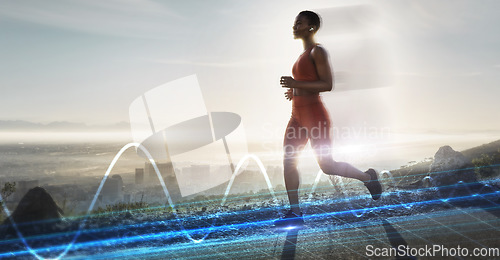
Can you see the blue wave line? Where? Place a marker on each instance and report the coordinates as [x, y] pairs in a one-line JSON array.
[[169, 234], [167, 194], [356, 212]]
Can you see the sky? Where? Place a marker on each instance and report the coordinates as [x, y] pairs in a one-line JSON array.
[[405, 65]]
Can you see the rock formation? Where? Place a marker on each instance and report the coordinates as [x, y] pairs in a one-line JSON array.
[[37, 212], [450, 167]]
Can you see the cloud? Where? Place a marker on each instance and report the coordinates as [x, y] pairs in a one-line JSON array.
[[130, 18]]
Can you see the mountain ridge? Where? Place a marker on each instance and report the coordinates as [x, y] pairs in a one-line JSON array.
[[22, 125]]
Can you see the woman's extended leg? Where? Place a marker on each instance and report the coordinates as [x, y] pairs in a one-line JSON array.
[[294, 142]]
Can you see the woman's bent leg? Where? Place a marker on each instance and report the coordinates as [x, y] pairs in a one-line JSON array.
[[322, 146], [331, 167]]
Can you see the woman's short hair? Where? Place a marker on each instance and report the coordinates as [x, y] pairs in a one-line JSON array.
[[313, 18]]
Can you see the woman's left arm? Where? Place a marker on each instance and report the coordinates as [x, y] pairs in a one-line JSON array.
[[325, 82]]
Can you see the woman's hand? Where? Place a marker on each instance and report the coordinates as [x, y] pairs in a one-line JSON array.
[[287, 82], [289, 94]]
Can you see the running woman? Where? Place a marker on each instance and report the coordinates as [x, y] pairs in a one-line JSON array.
[[312, 74]]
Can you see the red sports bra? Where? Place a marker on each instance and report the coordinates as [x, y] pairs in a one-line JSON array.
[[304, 69]]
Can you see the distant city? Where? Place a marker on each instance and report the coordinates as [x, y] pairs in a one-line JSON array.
[[73, 173]]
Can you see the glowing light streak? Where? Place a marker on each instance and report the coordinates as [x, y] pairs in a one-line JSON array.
[[337, 228], [238, 166], [356, 212], [167, 195]]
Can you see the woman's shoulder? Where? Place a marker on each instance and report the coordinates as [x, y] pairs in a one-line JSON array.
[[318, 48], [319, 51]]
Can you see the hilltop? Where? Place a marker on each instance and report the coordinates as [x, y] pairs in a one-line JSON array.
[[414, 172]]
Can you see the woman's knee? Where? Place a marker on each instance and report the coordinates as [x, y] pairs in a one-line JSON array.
[[326, 166], [330, 167]]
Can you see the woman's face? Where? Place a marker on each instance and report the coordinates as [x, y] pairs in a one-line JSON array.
[[301, 27]]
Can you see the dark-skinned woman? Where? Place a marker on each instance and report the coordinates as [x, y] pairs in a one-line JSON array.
[[312, 74]]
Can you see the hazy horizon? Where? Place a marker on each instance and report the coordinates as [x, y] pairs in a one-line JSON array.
[[398, 64], [424, 68], [389, 153]]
